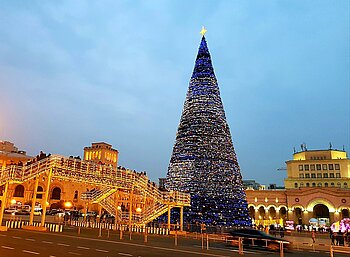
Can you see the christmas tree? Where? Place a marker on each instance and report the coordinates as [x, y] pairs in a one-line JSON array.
[[203, 161]]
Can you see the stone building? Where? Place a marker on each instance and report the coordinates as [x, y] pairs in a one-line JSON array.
[[317, 186]]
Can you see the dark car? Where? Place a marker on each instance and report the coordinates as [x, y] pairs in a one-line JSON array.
[[257, 238]]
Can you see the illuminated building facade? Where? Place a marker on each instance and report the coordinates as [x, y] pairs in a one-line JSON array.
[[55, 181], [101, 153], [317, 186]]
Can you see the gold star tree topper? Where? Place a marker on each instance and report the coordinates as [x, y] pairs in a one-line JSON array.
[[203, 31]]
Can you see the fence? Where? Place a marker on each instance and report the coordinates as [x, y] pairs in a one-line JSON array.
[[58, 228]]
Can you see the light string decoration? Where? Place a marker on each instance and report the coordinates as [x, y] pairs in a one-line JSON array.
[[204, 161]]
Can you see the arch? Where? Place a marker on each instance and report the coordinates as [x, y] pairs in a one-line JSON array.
[[307, 184], [19, 191], [261, 212], [345, 185], [260, 205], [272, 211], [326, 184], [320, 211], [40, 189], [283, 210], [56, 193], [345, 213], [271, 205], [251, 205], [297, 206], [251, 210], [312, 203]]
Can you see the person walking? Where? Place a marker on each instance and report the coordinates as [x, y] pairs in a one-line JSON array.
[[313, 236]]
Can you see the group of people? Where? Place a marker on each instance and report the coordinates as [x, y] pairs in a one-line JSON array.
[[340, 238]]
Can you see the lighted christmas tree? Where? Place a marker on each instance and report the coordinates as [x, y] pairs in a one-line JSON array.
[[203, 161]]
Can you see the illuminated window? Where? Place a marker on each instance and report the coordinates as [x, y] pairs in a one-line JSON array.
[[318, 166], [296, 185], [301, 175], [307, 184], [330, 166], [313, 175], [319, 184], [338, 184], [306, 167], [307, 175], [332, 184], [300, 167], [301, 184], [345, 185], [312, 166], [337, 175], [331, 175], [324, 166], [337, 166], [325, 175], [319, 175], [326, 184], [313, 184]]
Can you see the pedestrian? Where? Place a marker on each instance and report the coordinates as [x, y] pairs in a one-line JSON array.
[[313, 236], [332, 236], [282, 232]]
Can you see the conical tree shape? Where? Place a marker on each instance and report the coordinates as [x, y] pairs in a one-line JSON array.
[[203, 161]]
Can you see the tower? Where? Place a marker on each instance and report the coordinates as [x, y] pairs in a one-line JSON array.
[[203, 161]]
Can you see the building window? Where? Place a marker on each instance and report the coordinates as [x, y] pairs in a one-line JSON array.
[[76, 195], [332, 184], [296, 185], [301, 184], [325, 175], [330, 166], [313, 175], [331, 175], [319, 184], [56, 193], [306, 167], [19, 191], [326, 184], [337, 166], [338, 184], [300, 167], [40, 189], [337, 175], [345, 185], [324, 166], [307, 184], [312, 166], [319, 175], [301, 175], [313, 184], [318, 166], [307, 175]]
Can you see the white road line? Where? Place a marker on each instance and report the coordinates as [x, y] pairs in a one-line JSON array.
[[62, 244], [47, 242], [125, 254], [25, 251], [73, 253], [7, 247], [100, 250], [17, 237], [82, 247], [2, 235], [30, 239]]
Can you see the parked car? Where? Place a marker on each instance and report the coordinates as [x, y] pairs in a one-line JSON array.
[[11, 210], [53, 211], [257, 238]]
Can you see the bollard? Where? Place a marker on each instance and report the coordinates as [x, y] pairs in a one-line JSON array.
[[100, 232], [331, 251], [145, 238], [78, 230], [121, 234], [207, 242], [107, 233], [202, 241], [281, 249], [313, 247], [240, 246], [175, 237], [129, 234]]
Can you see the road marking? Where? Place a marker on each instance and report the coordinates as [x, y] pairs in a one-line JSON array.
[[7, 247], [62, 244], [74, 253], [17, 237], [2, 235], [30, 239], [25, 251], [125, 254], [100, 250], [82, 247], [47, 242]]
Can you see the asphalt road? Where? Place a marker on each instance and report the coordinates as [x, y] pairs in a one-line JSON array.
[[17, 243]]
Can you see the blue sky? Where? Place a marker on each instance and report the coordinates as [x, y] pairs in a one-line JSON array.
[[76, 72]]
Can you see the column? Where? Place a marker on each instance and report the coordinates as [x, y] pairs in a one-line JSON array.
[[169, 208], [3, 202], [181, 218], [46, 197], [31, 217]]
